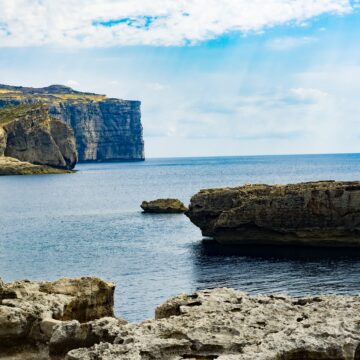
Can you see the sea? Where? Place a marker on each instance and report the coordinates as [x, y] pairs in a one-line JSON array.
[[90, 223]]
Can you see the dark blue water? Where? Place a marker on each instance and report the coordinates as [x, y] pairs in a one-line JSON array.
[[90, 223]]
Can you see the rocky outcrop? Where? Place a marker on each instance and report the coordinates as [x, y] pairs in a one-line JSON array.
[[33, 312], [164, 206], [105, 129], [221, 324], [313, 214], [225, 324], [11, 166], [29, 134]]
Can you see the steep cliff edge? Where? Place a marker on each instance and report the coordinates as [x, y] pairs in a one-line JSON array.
[[325, 213], [105, 129], [29, 134]]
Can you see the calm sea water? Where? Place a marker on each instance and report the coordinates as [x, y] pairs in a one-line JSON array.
[[90, 223]]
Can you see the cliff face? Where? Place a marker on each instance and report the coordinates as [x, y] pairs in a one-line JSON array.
[[311, 214], [105, 129], [29, 134]]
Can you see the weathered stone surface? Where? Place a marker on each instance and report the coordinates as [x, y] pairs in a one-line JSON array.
[[11, 166], [33, 136], [92, 298], [70, 335], [312, 214], [105, 129], [163, 206], [225, 324], [222, 324], [31, 311]]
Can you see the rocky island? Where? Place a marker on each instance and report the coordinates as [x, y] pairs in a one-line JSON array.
[[73, 319], [163, 206], [105, 129], [33, 142], [325, 213]]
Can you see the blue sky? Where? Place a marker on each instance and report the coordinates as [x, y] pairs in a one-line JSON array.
[[252, 82]]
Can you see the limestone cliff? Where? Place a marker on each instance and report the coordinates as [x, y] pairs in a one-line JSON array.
[[29, 134], [105, 129], [323, 213]]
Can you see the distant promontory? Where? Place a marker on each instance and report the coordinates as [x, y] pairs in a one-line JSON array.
[[105, 129]]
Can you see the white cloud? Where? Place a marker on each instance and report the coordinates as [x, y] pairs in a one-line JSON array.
[[72, 83], [309, 94], [289, 42], [150, 22], [156, 86]]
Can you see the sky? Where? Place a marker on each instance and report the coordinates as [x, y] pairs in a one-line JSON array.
[[215, 77]]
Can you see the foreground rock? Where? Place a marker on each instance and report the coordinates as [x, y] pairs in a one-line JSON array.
[[105, 129], [29, 134], [38, 312], [11, 166], [74, 316], [312, 214], [226, 324], [164, 206]]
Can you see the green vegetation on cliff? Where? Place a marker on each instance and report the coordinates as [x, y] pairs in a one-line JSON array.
[[11, 113], [50, 95]]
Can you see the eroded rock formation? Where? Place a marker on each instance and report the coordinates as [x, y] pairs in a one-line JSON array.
[[36, 312], [313, 214], [221, 324], [105, 129], [29, 134], [11, 166], [225, 324], [164, 206]]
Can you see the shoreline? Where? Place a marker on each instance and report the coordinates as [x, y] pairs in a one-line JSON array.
[[72, 319]]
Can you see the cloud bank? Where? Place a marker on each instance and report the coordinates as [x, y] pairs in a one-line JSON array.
[[97, 23]]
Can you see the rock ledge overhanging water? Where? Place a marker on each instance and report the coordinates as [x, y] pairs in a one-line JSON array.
[[324, 213]]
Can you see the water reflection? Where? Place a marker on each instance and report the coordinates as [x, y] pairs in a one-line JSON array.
[[211, 248], [293, 270]]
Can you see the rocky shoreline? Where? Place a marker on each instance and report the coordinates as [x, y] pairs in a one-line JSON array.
[[12, 166], [73, 319]]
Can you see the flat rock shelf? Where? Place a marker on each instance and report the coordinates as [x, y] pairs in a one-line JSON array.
[[324, 213]]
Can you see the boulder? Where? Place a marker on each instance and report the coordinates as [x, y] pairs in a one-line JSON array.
[[164, 206], [226, 324], [323, 213], [31, 311]]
